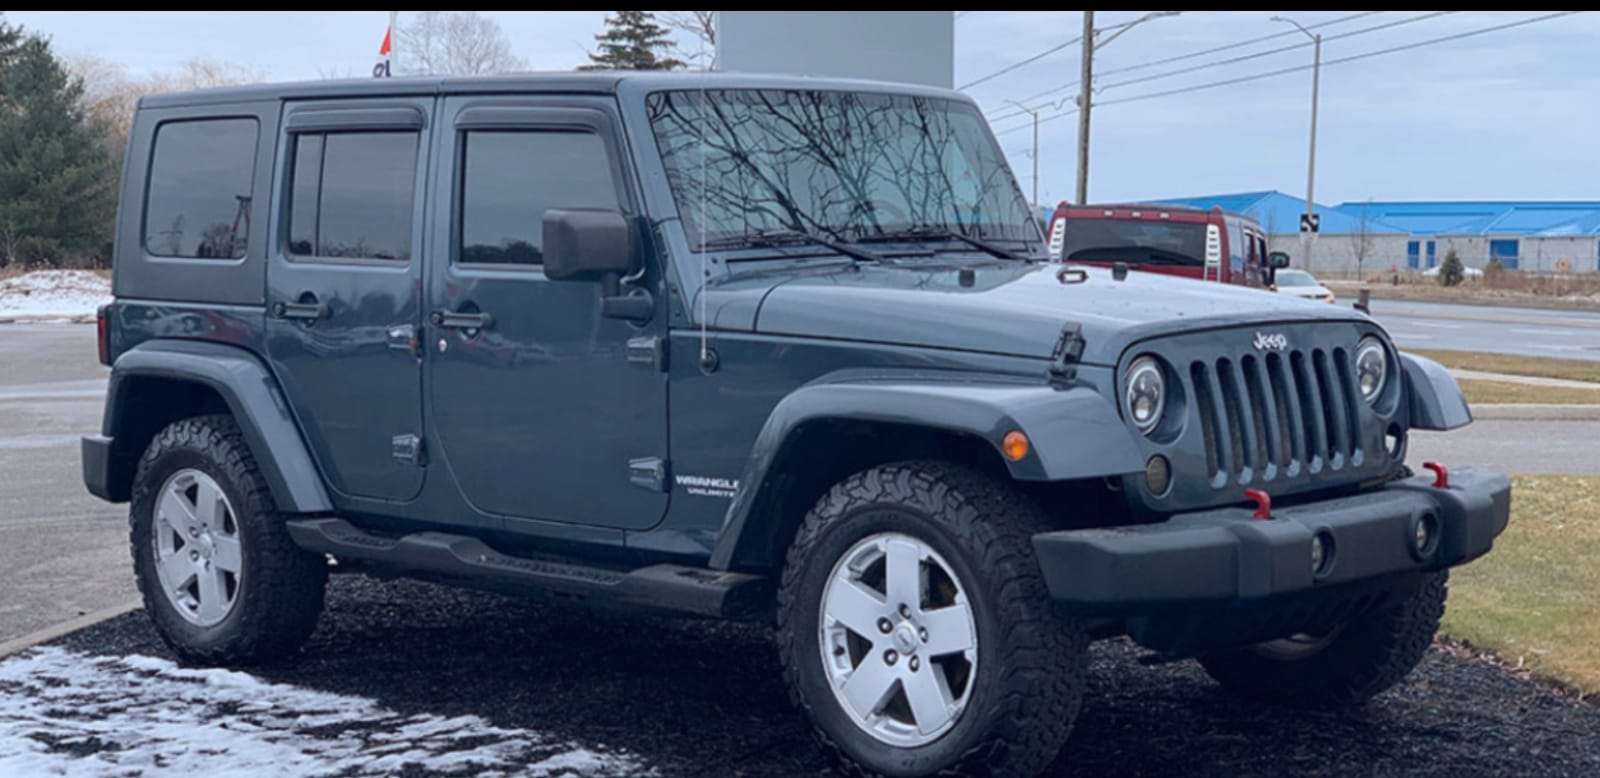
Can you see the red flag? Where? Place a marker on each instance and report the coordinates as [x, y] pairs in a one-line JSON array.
[[382, 69]]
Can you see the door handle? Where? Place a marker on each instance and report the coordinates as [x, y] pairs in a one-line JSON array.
[[310, 311], [454, 320]]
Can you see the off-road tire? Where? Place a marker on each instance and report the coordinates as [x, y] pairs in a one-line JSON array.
[[281, 590], [1365, 658], [1032, 662]]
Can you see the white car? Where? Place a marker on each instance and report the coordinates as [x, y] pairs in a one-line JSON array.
[[1299, 283]]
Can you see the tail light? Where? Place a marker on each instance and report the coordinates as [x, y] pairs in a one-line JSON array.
[[103, 333]]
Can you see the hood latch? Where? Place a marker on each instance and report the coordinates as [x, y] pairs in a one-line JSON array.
[[1068, 349]]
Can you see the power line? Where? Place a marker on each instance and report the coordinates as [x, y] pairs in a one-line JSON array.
[[1043, 54], [1299, 68], [1190, 55], [1252, 41], [1350, 58], [1028, 61], [1279, 50]]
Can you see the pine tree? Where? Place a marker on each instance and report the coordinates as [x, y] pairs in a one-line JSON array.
[[57, 196], [1450, 271], [632, 41]]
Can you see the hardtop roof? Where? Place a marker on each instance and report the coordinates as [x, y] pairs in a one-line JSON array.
[[559, 82]]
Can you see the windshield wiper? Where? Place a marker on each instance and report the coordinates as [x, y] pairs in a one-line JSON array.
[[775, 238], [938, 233]]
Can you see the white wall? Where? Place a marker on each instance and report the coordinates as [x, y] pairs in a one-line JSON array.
[[915, 47]]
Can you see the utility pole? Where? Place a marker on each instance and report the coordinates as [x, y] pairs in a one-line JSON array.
[[1035, 113], [1311, 157], [1085, 78], [1085, 86]]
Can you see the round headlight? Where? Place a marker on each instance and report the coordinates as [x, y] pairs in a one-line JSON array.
[[1372, 368], [1144, 393]]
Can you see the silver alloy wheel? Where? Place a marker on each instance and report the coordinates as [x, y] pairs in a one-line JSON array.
[[898, 640], [196, 547]]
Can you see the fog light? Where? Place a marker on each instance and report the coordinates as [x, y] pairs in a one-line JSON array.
[[1158, 475], [1321, 553], [1423, 533]]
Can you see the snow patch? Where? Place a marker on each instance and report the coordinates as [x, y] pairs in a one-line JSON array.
[[53, 295], [70, 714]]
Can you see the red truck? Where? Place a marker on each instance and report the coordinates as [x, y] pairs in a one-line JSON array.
[[1212, 245]]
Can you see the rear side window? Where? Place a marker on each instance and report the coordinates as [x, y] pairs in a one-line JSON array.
[[510, 179], [351, 194], [197, 203]]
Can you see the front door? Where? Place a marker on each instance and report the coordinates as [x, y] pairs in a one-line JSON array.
[[344, 289], [541, 409]]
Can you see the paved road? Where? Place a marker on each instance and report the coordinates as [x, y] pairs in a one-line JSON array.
[[1535, 447], [62, 552], [1528, 331]]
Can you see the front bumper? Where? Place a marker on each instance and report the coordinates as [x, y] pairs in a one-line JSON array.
[[1221, 576]]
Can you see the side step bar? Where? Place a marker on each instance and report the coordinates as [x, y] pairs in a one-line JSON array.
[[470, 562]]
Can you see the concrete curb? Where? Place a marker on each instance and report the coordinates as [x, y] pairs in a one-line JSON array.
[[1534, 412], [18, 645]]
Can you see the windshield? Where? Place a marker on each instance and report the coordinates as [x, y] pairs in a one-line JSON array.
[[847, 165], [1294, 278], [1164, 242]]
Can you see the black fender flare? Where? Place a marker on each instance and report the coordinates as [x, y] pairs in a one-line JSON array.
[[252, 395], [1073, 431], [1433, 398]]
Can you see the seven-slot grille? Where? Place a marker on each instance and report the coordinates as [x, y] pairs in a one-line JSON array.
[[1277, 414]]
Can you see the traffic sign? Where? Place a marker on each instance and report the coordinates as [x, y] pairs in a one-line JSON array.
[[1310, 222]]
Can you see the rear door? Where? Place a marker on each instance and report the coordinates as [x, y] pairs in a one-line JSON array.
[[344, 288], [544, 409]]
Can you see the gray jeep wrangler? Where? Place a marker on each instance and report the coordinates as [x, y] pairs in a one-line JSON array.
[[758, 348]]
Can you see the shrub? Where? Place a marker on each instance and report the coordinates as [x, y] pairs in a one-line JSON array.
[[1450, 271]]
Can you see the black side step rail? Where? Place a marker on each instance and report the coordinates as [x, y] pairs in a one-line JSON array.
[[470, 562]]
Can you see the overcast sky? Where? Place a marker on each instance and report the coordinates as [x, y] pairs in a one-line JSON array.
[[1505, 115]]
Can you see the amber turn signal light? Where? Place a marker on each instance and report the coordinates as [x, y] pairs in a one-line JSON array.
[[1015, 445]]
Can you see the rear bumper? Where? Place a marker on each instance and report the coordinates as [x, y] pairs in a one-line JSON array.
[[1197, 576]]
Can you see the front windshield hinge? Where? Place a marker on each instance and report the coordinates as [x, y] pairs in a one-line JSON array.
[[1069, 348]]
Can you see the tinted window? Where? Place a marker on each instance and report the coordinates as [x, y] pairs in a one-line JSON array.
[[1134, 240], [198, 199], [510, 179], [351, 195]]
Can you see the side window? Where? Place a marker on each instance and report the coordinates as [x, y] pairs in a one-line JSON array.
[[351, 194], [510, 178], [197, 201]]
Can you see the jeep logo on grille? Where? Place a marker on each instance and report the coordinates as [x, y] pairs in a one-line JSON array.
[[1271, 341]]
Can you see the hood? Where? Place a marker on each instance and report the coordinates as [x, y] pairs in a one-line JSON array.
[[1009, 308]]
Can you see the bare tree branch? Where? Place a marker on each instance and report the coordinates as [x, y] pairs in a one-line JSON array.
[[701, 26], [462, 43]]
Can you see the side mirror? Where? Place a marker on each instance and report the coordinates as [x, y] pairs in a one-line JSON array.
[[1276, 260], [587, 245], [596, 245]]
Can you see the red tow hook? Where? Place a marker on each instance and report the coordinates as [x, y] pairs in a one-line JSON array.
[[1441, 474], [1263, 503]]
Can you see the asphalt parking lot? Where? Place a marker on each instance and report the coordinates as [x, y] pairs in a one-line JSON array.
[[479, 684]]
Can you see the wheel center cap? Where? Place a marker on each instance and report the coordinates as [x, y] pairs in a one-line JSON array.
[[205, 544], [905, 638]]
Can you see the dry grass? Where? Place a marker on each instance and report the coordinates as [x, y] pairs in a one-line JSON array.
[[1480, 392], [1538, 367], [1535, 599], [1527, 290]]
